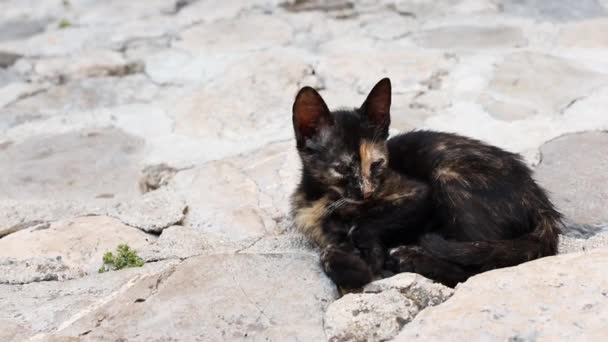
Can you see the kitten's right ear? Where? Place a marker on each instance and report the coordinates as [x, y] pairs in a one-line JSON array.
[[310, 113]]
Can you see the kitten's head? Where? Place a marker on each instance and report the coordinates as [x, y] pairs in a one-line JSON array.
[[345, 150]]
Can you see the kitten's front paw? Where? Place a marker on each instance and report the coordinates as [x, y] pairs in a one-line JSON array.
[[403, 259], [370, 248], [345, 268]]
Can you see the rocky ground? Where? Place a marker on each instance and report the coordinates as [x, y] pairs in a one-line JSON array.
[[166, 125]]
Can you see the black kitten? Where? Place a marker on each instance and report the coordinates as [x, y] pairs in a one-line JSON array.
[[452, 206]]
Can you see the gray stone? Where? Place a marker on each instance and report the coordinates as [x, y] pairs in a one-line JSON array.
[[20, 214], [94, 163], [573, 171], [242, 197], [155, 176], [383, 308], [152, 212], [44, 307], [588, 34], [64, 249], [178, 242], [87, 94], [7, 77], [34, 269], [91, 63], [555, 10], [235, 37], [14, 91], [7, 59], [368, 317], [291, 242], [422, 291], [20, 29], [471, 37], [221, 297], [569, 244], [538, 84], [555, 299], [219, 114]]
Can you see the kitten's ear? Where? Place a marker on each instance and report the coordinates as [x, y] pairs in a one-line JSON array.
[[310, 113], [377, 106]]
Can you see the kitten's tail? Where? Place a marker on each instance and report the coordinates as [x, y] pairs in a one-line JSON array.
[[487, 255]]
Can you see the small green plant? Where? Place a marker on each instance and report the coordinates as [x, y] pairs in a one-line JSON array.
[[125, 257], [64, 23]]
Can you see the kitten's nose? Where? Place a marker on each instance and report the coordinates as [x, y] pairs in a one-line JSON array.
[[367, 194]]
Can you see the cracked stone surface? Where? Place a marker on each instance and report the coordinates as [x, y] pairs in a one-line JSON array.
[[557, 298], [383, 308], [167, 125]]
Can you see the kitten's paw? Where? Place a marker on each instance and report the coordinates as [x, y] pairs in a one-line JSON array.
[[370, 248], [346, 269], [403, 259]]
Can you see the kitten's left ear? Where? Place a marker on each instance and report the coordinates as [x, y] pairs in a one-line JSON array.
[[377, 106]]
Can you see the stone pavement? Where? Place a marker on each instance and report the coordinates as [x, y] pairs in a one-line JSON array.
[[166, 124]]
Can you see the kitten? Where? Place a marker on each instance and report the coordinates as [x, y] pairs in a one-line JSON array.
[[446, 206]]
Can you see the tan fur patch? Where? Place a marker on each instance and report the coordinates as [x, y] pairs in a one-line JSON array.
[[445, 174], [308, 218], [369, 153]]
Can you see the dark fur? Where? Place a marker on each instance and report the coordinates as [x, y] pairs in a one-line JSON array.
[[452, 206]]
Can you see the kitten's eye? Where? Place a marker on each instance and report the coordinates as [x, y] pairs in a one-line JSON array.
[[375, 167]]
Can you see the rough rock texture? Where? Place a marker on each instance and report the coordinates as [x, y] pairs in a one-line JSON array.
[[167, 125], [558, 298], [47, 306], [383, 308], [573, 170], [219, 297], [64, 249]]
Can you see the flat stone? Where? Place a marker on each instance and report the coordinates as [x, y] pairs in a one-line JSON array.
[[569, 244], [20, 29], [537, 84], [79, 165], [152, 212], [383, 308], [178, 242], [7, 59], [44, 307], [207, 11], [572, 170], [290, 242], [21, 214], [64, 249], [92, 63], [424, 292], [116, 12], [59, 42], [219, 114], [590, 34], [217, 298], [177, 67], [7, 77], [242, 197], [442, 8], [12, 331], [16, 90], [519, 303], [556, 10], [87, 94], [368, 317], [250, 33], [471, 37]]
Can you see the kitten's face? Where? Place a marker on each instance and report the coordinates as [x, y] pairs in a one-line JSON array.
[[345, 151]]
